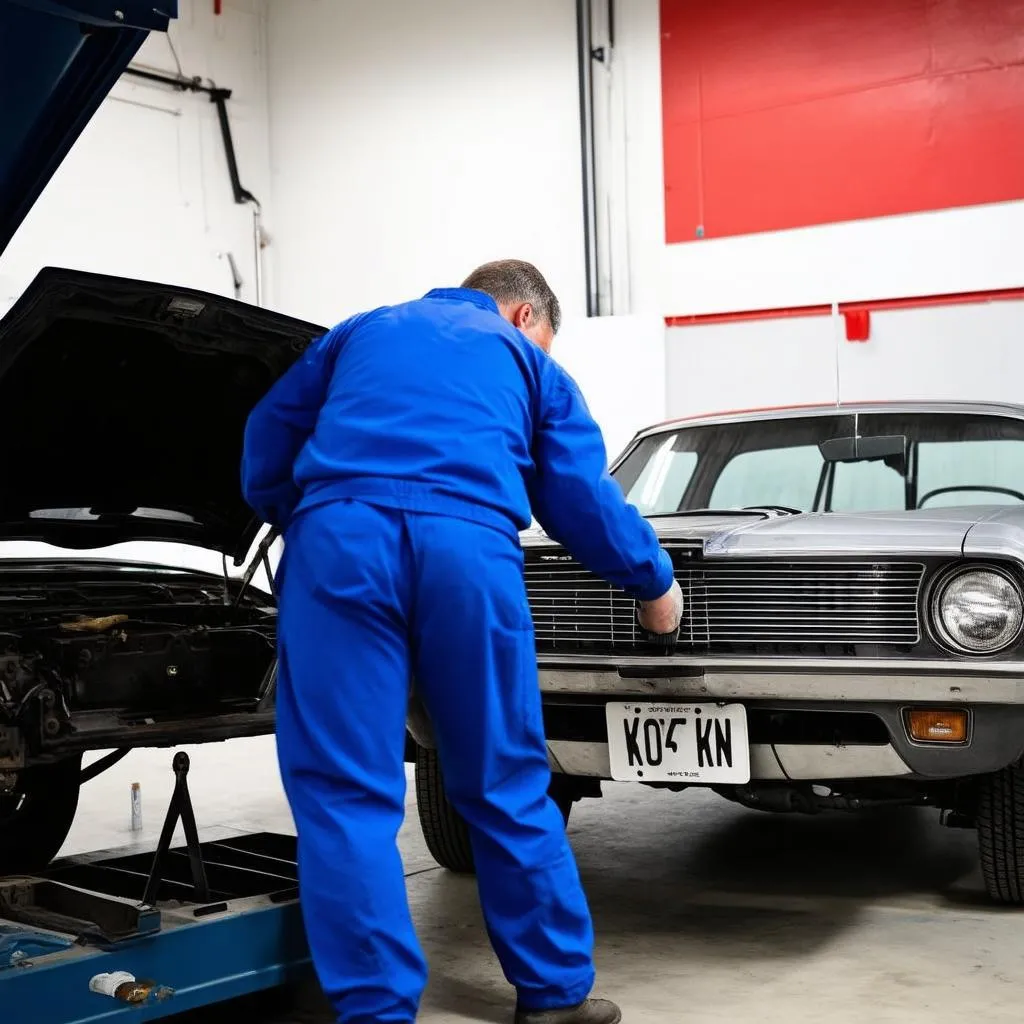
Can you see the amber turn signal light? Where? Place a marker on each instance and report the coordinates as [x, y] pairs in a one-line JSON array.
[[930, 726]]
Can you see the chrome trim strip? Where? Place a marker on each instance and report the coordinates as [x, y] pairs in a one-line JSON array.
[[802, 762], [805, 762], [807, 685], [691, 664]]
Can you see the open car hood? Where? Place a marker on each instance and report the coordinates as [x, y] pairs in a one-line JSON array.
[[58, 61], [124, 406]]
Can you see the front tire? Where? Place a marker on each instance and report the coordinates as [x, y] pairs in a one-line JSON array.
[[444, 829], [36, 817], [1000, 821]]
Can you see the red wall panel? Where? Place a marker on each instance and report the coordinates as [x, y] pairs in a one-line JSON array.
[[786, 113]]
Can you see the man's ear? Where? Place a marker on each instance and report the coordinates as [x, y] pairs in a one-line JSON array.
[[522, 316]]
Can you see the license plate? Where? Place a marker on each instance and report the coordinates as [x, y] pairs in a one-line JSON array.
[[678, 743]]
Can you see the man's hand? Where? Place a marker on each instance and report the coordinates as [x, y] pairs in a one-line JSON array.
[[662, 615]]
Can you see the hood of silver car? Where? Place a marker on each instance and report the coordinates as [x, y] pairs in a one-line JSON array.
[[58, 61], [976, 530]]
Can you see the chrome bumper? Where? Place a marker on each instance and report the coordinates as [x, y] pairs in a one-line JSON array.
[[827, 680], [804, 681]]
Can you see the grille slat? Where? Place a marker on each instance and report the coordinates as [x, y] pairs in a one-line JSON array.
[[733, 604]]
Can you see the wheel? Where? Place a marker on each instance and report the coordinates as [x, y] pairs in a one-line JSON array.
[[36, 817], [444, 829], [1001, 834]]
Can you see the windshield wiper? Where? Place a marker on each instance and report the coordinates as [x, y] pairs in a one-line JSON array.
[[765, 511]]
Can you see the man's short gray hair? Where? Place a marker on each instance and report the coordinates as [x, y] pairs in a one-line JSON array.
[[514, 281]]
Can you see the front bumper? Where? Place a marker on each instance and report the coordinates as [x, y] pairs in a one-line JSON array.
[[992, 692]]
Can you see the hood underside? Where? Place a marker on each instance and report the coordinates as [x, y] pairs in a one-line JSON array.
[[58, 61], [125, 405]]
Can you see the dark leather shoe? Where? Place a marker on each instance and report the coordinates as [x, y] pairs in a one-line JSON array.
[[593, 1011]]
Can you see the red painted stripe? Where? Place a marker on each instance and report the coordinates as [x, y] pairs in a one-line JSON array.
[[870, 306], [923, 301], [696, 319]]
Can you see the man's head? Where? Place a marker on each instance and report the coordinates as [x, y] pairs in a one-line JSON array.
[[523, 297]]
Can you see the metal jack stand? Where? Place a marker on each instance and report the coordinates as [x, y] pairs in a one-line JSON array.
[[180, 808]]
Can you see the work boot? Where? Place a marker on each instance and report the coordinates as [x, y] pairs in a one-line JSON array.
[[593, 1011]]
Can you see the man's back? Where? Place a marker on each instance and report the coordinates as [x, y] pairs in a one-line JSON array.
[[430, 406]]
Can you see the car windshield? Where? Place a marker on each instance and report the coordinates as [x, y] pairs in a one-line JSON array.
[[882, 461]]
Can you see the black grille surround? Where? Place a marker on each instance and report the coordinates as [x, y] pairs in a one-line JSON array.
[[732, 605]]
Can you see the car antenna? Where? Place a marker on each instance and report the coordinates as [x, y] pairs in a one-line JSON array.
[[835, 335]]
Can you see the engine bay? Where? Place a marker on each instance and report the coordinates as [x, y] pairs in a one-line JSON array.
[[122, 658]]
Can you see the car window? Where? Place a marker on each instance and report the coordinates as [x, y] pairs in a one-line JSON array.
[[662, 482], [779, 461], [967, 464], [867, 487], [789, 476], [769, 476]]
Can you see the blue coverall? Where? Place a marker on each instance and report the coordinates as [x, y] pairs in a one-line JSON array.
[[401, 455]]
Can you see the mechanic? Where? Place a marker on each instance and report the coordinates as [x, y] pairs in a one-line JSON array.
[[400, 456]]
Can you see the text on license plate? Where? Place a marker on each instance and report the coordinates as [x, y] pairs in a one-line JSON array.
[[678, 743]]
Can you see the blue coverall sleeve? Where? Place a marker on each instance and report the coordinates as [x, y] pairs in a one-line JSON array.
[[281, 423], [579, 505]]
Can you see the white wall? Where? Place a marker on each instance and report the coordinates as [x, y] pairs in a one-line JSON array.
[[941, 352], [935, 253], [949, 352], [920, 254], [412, 141], [751, 365], [145, 191], [619, 364]]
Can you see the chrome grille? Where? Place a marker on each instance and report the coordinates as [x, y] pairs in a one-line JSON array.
[[733, 603]]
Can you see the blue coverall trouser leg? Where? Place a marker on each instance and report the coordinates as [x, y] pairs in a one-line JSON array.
[[371, 597]]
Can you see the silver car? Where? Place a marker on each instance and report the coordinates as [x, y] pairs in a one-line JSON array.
[[854, 584]]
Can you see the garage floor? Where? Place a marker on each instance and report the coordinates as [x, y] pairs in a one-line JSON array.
[[705, 912]]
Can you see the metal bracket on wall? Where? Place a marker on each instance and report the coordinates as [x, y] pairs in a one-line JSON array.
[[219, 98]]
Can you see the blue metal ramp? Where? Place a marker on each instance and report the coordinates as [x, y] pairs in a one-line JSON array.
[[137, 937]]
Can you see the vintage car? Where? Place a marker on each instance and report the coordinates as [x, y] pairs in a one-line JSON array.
[[124, 405], [853, 635]]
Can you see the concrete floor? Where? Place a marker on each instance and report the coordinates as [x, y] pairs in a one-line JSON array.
[[704, 912]]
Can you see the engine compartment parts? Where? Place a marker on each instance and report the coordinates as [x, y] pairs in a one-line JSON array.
[[100, 625]]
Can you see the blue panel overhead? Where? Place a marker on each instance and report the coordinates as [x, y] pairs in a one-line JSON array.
[[58, 61]]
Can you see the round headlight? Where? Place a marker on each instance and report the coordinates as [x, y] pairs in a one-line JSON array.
[[979, 611]]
